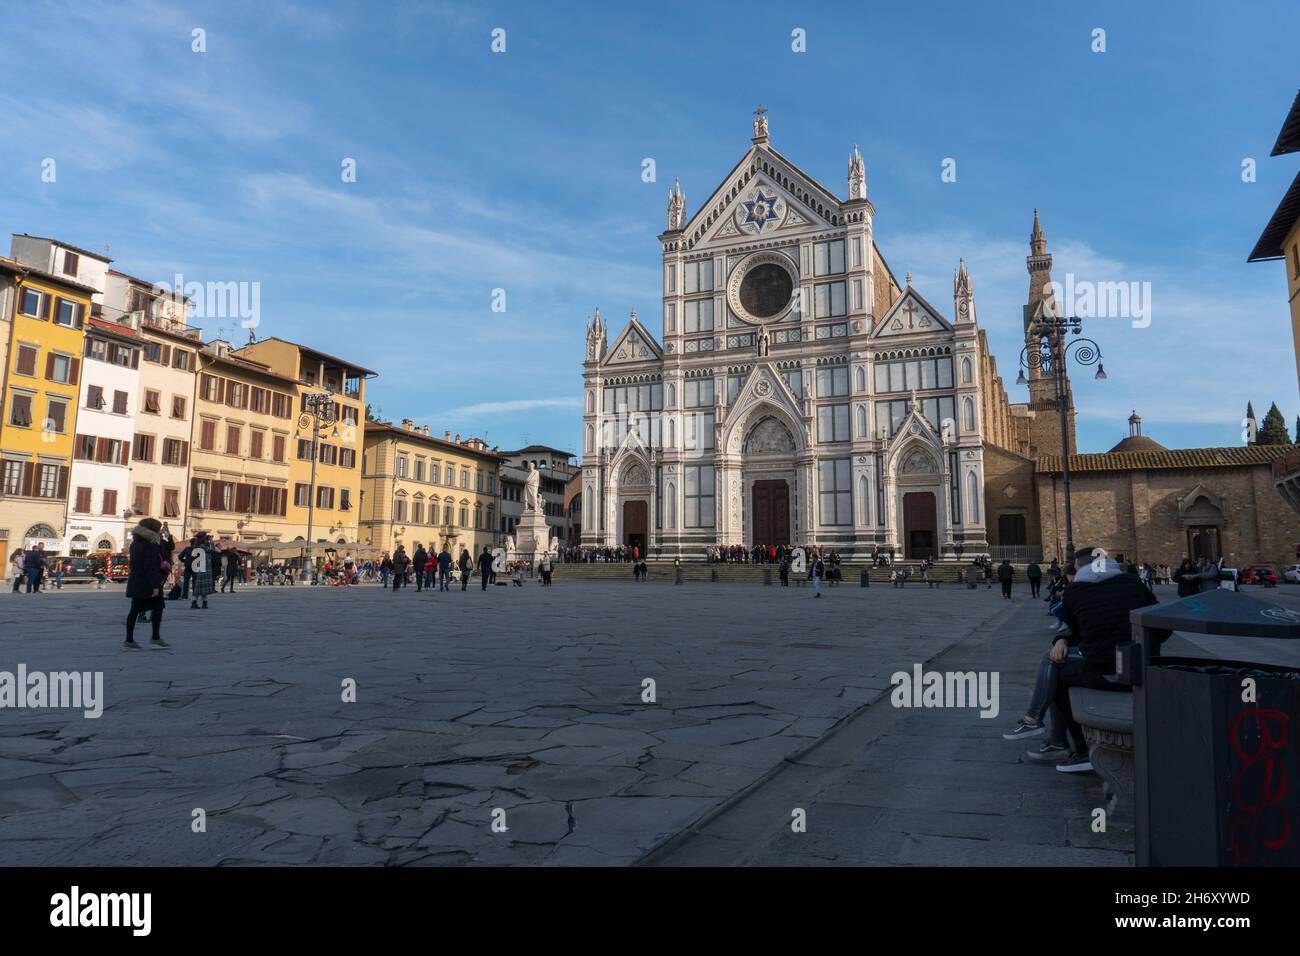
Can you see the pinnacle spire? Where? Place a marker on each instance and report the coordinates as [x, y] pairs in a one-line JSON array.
[[961, 278], [1037, 238], [857, 175]]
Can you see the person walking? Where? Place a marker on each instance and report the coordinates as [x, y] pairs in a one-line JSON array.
[[231, 558], [385, 570], [418, 561], [203, 559], [1005, 575], [444, 569], [785, 571], [466, 568], [144, 583], [818, 572], [1035, 575], [485, 566], [187, 575]]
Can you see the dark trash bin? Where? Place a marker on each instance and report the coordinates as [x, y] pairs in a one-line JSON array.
[[1217, 766], [865, 579]]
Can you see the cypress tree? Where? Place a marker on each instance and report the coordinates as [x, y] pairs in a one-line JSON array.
[[1273, 429]]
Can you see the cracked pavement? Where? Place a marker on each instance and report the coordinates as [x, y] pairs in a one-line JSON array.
[[527, 700]]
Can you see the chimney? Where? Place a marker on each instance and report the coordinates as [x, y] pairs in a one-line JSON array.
[[446, 436], [408, 424], [457, 438], [426, 431]]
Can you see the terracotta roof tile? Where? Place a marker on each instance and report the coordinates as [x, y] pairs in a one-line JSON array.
[[1189, 458]]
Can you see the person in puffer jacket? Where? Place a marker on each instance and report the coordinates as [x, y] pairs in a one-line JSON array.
[[1096, 609]]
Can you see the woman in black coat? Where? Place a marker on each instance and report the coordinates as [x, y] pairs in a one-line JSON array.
[[1188, 580], [145, 581]]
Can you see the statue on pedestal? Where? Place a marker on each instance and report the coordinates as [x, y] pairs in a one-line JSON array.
[[532, 485]]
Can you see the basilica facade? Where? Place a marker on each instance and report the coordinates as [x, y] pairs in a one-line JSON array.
[[797, 394]]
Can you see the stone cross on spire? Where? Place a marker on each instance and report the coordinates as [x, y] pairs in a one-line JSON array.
[[760, 124]]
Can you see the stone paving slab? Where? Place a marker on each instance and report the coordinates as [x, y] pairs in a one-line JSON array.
[[940, 787], [524, 700]]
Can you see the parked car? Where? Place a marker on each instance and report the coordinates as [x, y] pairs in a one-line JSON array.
[[1291, 573], [1260, 574], [114, 567], [78, 569]]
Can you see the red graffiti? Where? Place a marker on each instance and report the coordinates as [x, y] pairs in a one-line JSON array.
[[1258, 821]]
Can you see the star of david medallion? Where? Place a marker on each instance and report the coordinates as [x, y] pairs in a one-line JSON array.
[[760, 210]]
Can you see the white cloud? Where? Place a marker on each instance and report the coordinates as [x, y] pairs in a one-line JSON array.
[[510, 406]]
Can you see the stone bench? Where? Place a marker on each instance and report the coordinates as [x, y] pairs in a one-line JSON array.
[[1107, 721]]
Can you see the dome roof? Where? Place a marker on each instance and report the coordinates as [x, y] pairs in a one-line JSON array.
[[1138, 443]]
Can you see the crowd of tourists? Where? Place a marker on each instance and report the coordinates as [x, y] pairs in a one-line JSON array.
[[428, 570]]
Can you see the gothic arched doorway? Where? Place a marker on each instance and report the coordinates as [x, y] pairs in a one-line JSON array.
[[636, 523]]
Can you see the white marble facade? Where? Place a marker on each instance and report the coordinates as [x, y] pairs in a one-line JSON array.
[[798, 393]]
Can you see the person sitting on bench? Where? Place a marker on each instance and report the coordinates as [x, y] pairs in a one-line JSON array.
[[1096, 609]]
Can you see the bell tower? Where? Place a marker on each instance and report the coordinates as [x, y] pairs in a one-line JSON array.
[[1045, 426]]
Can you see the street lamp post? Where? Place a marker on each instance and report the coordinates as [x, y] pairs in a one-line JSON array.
[[319, 411], [1049, 356]]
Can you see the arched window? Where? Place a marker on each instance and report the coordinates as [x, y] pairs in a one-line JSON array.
[[591, 440], [672, 433], [973, 496], [672, 506], [864, 499], [672, 395], [966, 373], [861, 379], [968, 415], [862, 421], [591, 401]]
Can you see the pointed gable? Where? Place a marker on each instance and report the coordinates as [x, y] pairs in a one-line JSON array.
[[764, 390], [764, 194], [634, 344], [910, 314]]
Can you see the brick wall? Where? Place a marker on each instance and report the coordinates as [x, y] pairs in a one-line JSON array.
[[1136, 513]]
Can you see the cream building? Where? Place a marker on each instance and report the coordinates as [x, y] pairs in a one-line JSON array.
[[1281, 237], [435, 491], [331, 515], [169, 347], [244, 416]]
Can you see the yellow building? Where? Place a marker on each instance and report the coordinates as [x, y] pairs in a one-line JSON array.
[[338, 443], [45, 315], [435, 491], [1281, 237], [244, 420]]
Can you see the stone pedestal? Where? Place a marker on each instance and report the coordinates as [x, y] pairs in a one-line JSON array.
[[532, 537]]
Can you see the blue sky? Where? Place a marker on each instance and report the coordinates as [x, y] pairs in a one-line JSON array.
[[522, 171]]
